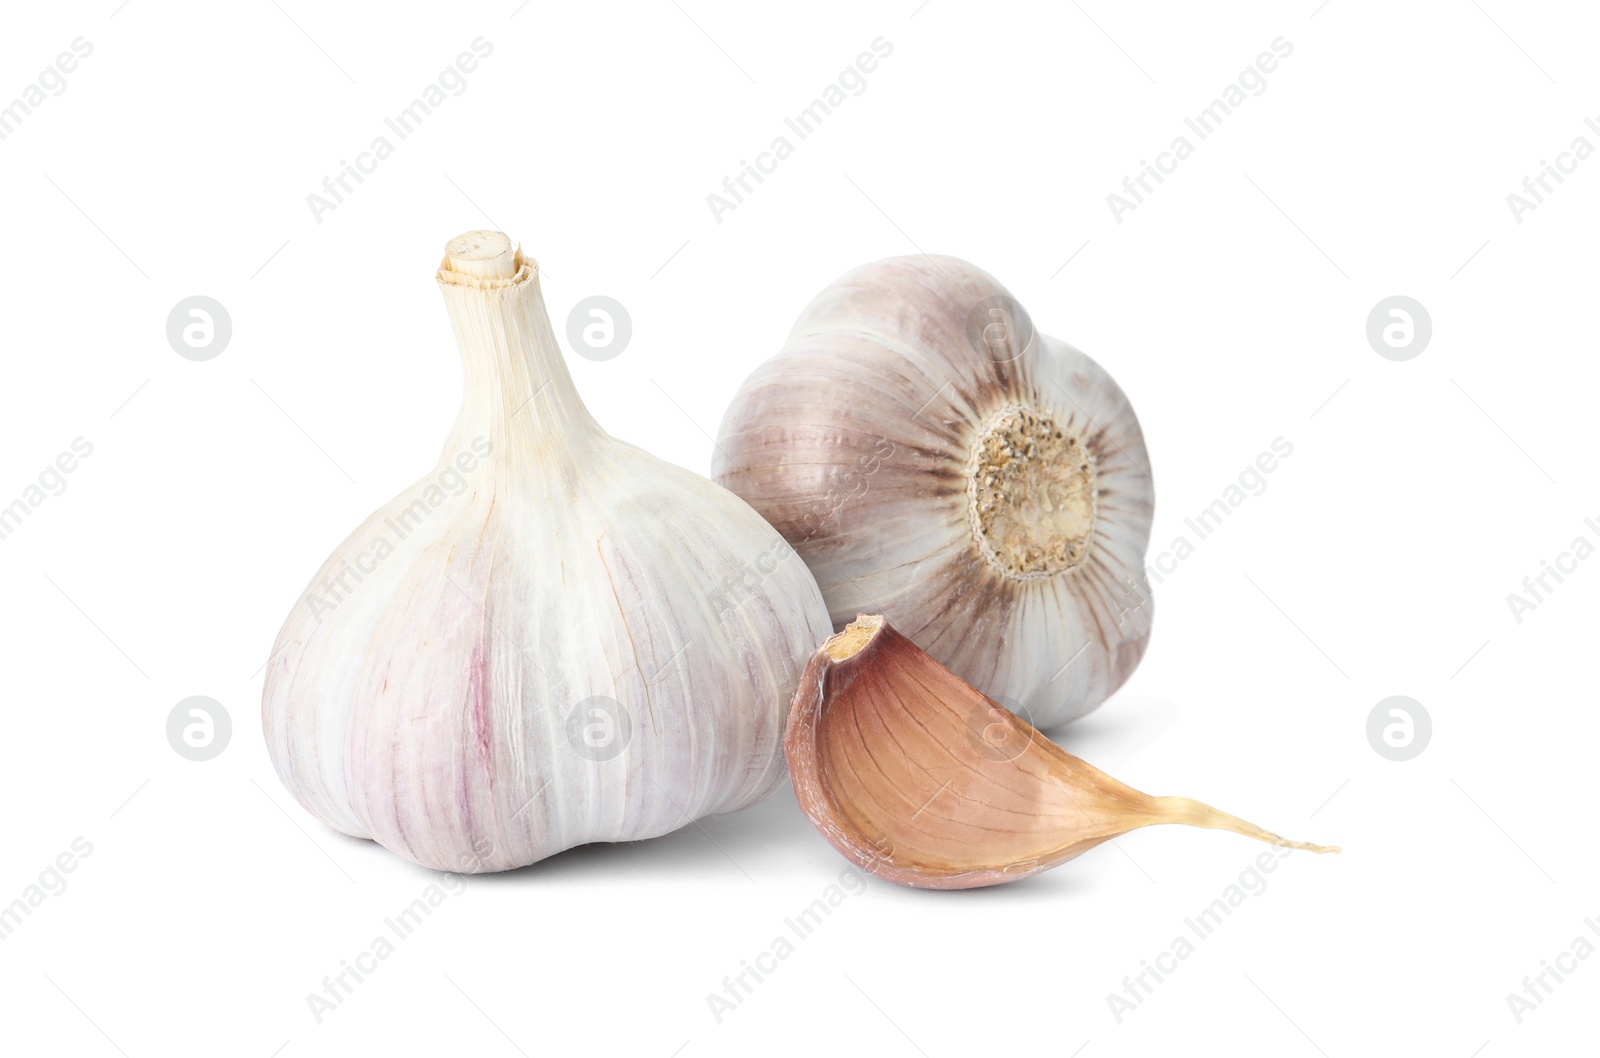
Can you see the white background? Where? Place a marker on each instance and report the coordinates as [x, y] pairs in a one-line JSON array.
[[1231, 306]]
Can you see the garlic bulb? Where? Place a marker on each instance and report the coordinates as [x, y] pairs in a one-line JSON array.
[[553, 638], [918, 778], [932, 457]]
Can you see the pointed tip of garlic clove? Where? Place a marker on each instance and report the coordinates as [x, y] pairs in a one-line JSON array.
[[482, 253], [1189, 812]]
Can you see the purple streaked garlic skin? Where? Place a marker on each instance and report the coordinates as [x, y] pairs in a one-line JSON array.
[[934, 458], [552, 639]]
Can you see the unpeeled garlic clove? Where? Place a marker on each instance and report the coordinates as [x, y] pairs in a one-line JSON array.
[[917, 777]]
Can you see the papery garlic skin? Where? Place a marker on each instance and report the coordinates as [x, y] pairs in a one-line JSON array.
[[584, 644], [915, 776], [882, 442]]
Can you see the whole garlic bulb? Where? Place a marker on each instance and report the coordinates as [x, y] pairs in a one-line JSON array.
[[554, 638], [933, 458]]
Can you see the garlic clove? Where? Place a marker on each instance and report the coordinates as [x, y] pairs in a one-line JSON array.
[[917, 777], [931, 455]]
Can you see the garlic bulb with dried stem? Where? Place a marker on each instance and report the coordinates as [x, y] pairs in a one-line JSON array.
[[554, 638], [920, 779], [933, 457]]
